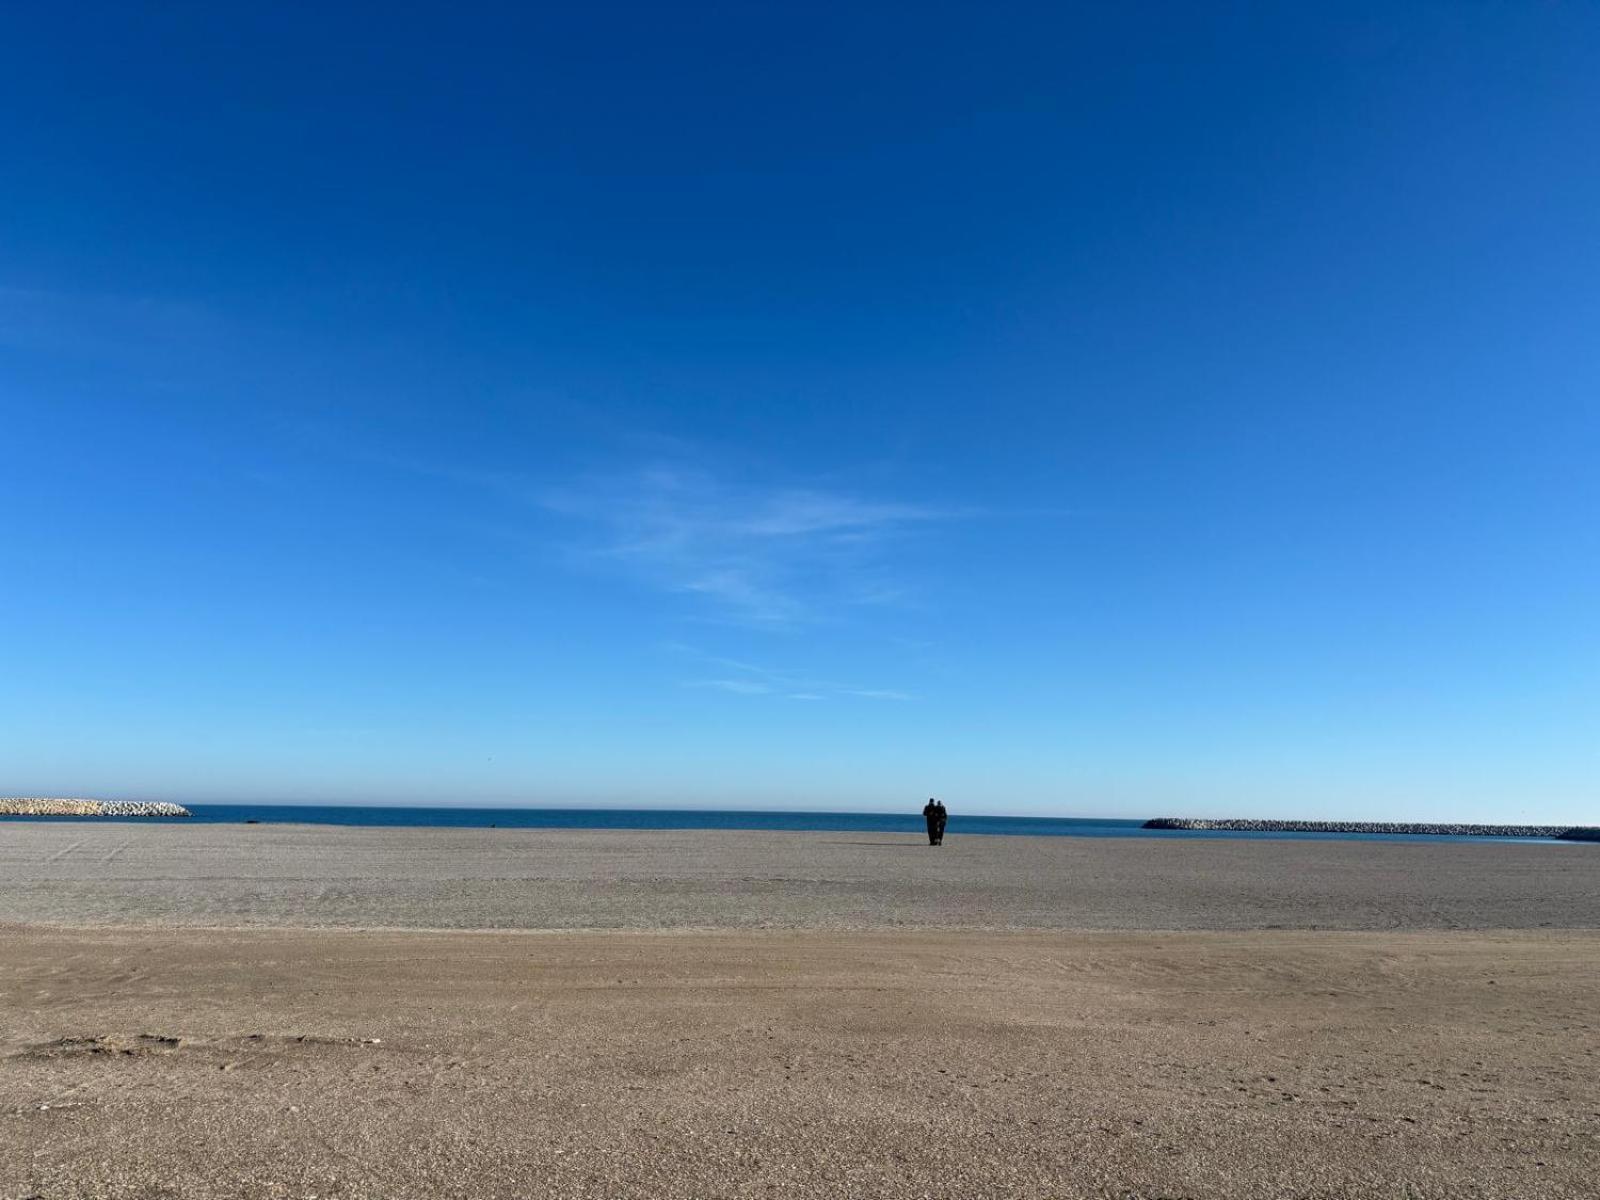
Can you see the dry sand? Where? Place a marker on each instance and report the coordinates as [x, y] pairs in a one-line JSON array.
[[830, 1056], [304, 875]]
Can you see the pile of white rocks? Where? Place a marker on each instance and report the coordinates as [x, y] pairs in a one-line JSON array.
[[46, 806], [1574, 833]]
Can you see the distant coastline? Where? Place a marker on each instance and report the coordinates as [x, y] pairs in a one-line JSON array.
[[50, 806], [962, 823], [1566, 833]]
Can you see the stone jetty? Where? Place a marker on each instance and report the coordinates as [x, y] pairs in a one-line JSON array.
[[46, 806], [1569, 833]]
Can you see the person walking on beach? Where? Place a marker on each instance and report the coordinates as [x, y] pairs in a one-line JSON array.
[[935, 815]]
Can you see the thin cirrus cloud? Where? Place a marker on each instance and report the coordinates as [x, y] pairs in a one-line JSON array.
[[747, 679], [760, 556], [145, 331]]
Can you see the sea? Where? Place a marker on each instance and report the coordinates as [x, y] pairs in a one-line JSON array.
[[909, 823]]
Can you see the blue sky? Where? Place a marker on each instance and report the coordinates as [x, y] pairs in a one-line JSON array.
[[1083, 410]]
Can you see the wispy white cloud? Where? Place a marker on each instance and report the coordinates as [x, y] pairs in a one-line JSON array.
[[748, 679], [739, 687], [121, 329], [769, 556]]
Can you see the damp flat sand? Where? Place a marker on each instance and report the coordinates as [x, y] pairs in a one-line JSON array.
[[193, 1011]]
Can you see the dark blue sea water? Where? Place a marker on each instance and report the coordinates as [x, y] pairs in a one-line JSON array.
[[909, 823]]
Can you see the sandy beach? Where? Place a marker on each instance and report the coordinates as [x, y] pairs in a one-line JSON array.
[[211, 1011], [309, 876]]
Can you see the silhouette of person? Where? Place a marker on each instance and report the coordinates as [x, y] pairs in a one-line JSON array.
[[934, 814]]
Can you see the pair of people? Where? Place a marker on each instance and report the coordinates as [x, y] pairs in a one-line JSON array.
[[933, 812]]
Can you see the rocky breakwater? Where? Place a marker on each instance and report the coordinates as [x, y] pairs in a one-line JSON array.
[[45, 806], [1571, 833]]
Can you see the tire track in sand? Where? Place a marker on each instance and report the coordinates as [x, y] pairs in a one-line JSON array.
[[63, 852]]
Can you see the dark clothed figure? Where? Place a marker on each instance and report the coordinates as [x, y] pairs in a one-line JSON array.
[[934, 814]]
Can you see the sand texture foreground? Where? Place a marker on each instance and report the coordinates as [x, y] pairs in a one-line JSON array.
[[228, 1011], [235, 875], [399, 1065]]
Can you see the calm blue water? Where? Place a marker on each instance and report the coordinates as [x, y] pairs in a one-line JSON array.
[[617, 818]]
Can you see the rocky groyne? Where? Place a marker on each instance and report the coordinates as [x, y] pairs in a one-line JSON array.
[[1569, 833], [46, 806]]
